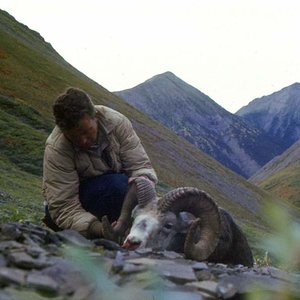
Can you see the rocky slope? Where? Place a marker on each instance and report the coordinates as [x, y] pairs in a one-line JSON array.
[[38, 264], [277, 114], [281, 175], [194, 116]]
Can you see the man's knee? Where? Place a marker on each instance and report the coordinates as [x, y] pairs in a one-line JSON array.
[[118, 183]]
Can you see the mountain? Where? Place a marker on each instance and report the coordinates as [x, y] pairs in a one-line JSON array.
[[278, 114], [196, 117], [32, 74], [281, 175]]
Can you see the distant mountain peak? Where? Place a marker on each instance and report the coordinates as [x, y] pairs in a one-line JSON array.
[[166, 75], [295, 85], [200, 120], [277, 114]]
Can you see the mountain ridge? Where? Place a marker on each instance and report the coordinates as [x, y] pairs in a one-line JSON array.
[[281, 175], [278, 114], [203, 122]]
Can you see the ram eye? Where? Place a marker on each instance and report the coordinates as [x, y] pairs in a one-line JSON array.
[[168, 226]]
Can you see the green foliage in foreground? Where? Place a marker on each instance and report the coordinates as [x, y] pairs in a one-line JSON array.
[[95, 272], [282, 249], [284, 242]]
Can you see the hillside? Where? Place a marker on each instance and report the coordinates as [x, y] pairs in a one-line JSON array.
[[32, 77], [281, 175], [201, 121], [278, 114]]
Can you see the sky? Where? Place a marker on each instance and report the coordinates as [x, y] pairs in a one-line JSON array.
[[232, 50]]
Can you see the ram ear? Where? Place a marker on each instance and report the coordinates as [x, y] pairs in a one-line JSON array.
[[184, 220], [135, 211], [202, 206]]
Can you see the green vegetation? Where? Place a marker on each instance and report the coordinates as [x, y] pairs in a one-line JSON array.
[[24, 200], [23, 132], [95, 273], [283, 247], [285, 184]]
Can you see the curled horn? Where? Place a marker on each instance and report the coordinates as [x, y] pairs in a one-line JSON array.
[[140, 192], [202, 206]]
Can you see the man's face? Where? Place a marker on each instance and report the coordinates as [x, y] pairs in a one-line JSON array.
[[85, 135]]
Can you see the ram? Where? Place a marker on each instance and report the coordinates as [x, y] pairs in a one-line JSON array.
[[185, 220]]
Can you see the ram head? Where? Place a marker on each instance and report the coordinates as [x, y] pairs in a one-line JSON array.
[[184, 220]]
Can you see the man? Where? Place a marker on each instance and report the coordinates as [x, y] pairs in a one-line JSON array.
[[90, 156]]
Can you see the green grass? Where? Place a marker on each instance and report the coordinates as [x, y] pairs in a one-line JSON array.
[[22, 135], [285, 184], [26, 202]]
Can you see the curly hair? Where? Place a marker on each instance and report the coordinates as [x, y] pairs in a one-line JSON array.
[[70, 106]]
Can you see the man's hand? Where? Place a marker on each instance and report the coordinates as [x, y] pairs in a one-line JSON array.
[[108, 230], [95, 230], [114, 223]]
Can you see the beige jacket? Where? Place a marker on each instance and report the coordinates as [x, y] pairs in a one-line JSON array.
[[65, 166]]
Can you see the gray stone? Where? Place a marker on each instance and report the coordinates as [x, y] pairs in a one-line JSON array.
[[205, 275], [53, 249], [35, 251], [295, 278], [7, 245], [276, 273], [34, 230], [148, 279], [3, 261], [246, 283], [144, 261], [42, 283], [85, 292], [53, 239], [209, 287], [29, 294], [178, 273], [226, 290], [118, 263], [66, 274], [177, 295], [5, 296], [171, 255], [74, 238], [25, 261], [107, 244], [131, 268], [154, 274], [12, 276], [200, 266], [10, 231], [175, 272], [264, 271], [217, 271], [144, 251]]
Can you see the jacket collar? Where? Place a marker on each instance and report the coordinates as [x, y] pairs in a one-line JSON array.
[[106, 125]]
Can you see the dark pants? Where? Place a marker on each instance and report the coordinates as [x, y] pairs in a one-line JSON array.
[[100, 195]]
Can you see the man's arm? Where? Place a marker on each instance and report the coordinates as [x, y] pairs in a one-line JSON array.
[[61, 189], [135, 161]]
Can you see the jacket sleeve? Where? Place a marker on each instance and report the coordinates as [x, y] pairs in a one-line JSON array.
[[61, 189], [134, 159]]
